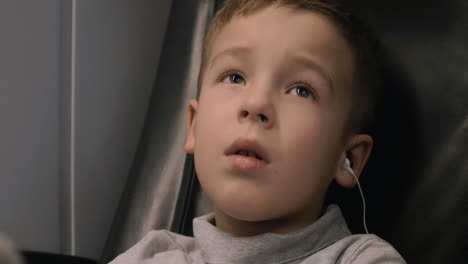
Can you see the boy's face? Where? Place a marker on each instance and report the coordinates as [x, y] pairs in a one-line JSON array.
[[276, 83]]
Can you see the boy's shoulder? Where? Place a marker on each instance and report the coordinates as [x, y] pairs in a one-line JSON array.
[[357, 249], [159, 246]]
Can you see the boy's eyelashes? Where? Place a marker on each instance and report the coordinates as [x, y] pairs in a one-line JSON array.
[[235, 78], [301, 89], [304, 91]]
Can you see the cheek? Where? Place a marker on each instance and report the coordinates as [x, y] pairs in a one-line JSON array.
[[301, 134], [206, 136], [306, 168], [308, 144], [212, 125], [211, 116]]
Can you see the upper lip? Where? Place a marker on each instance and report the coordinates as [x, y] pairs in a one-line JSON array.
[[250, 145]]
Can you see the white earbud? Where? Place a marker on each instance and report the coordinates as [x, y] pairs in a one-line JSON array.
[[348, 165], [350, 170]]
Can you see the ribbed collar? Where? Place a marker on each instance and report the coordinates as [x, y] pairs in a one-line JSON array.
[[220, 247]]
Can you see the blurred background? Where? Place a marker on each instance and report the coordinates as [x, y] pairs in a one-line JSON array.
[[75, 83]]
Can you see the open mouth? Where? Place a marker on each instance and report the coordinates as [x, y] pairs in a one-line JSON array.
[[248, 154], [246, 160]]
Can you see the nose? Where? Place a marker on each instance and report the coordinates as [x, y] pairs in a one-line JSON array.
[[258, 108]]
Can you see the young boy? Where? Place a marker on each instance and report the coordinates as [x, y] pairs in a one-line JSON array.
[[283, 90]]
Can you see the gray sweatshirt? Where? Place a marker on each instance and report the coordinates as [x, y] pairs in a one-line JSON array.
[[328, 240]]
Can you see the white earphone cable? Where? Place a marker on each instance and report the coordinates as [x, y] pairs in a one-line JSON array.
[[362, 197]]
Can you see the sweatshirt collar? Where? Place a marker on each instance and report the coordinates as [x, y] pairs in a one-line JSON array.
[[220, 247]]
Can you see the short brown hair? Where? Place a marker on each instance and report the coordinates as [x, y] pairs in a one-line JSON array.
[[363, 45]]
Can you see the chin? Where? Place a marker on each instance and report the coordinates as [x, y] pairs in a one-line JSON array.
[[250, 211], [249, 216]]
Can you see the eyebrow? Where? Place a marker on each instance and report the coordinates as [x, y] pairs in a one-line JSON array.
[[232, 51], [308, 62]]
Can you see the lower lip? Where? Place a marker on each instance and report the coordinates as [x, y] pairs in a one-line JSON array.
[[245, 163]]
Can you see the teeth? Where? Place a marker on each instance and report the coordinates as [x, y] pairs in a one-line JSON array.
[[249, 154]]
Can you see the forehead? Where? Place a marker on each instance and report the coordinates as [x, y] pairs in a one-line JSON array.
[[283, 33]]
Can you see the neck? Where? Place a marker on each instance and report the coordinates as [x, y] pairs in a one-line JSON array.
[[241, 228]]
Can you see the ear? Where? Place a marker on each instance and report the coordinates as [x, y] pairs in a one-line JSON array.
[[360, 147], [191, 118]]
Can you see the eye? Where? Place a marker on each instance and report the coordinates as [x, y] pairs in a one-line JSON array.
[[302, 91], [234, 78]]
